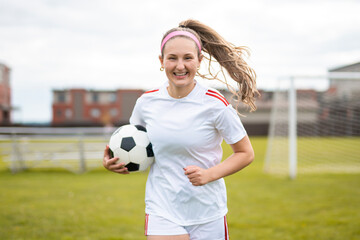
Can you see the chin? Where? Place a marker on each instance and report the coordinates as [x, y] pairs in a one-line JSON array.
[[182, 83]]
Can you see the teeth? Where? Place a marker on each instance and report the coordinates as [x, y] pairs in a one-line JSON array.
[[180, 74]]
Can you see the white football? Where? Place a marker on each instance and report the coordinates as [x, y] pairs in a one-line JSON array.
[[132, 146]]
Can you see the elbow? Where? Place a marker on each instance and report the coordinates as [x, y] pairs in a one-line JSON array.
[[251, 157]]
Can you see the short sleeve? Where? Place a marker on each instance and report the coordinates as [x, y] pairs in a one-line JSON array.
[[229, 125], [136, 116]]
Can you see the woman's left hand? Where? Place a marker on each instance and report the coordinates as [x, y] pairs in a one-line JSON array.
[[197, 175]]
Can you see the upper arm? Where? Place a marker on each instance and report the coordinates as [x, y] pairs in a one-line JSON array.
[[136, 116], [243, 146]]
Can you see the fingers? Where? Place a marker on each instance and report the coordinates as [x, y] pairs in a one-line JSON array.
[[123, 170], [111, 161], [108, 162], [106, 152], [196, 175], [116, 166], [112, 164], [106, 156], [190, 170]]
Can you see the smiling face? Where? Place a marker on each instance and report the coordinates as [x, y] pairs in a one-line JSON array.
[[180, 61]]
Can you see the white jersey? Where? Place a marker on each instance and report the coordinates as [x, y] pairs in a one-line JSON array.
[[184, 132]]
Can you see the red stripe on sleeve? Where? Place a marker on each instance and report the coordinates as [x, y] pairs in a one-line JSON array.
[[151, 91], [217, 96]]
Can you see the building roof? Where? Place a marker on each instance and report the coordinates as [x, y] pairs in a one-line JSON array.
[[355, 67]]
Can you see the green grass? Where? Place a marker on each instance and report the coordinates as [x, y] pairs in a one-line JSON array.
[[56, 204], [318, 154]]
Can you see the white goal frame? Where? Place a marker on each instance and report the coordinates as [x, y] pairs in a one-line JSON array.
[[292, 118]]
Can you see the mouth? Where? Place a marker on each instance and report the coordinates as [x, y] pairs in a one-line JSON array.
[[180, 74]]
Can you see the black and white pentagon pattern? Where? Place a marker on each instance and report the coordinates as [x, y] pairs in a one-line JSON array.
[[140, 128], [141, 138], [139, 153], [127, 143], [127, 130], [131, 144], [149, 150], [111, 153], [132, 167]]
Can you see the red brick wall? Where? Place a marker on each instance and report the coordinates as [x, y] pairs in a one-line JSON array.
[[5, 95], [125, 98]]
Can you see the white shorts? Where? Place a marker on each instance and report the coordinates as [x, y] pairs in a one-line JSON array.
[[215, 230]]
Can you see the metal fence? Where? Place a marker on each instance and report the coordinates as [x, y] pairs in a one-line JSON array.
[[75, 149]]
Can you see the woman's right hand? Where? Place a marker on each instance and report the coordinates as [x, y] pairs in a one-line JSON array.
[[111, 163]]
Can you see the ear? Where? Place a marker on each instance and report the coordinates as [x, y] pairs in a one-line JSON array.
[[200, 58], [161, 60]]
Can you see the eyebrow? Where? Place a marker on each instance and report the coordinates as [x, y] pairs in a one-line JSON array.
[[172, 54]]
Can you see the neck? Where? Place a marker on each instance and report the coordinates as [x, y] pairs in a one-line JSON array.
[[181, 92]]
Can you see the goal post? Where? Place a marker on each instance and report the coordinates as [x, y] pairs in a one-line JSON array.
[[315, 125], [292, 130]]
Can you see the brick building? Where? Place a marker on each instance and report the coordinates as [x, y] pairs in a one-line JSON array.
[[88, 107], [256, 123], [346, 88], [5, 95], [340, 105], [81, 107]]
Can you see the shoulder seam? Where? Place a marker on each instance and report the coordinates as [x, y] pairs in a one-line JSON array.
[[218, 96]]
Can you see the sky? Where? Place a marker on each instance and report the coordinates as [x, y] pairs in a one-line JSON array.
[[112, 44]]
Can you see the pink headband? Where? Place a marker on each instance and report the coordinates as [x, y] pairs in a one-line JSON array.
[[183, 33]]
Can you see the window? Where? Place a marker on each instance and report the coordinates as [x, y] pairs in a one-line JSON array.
[[68, 113], [95, 112], [58, 113], [113, 112], [95, 97], [112, 97], [61, 97]]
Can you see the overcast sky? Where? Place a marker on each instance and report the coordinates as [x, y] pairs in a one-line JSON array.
[[110, 44]]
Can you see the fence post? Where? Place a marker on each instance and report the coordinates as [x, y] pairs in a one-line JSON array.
[[17, 163], [82, 163], [13, 167]]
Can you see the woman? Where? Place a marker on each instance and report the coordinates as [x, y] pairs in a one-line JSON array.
[[186, 123]]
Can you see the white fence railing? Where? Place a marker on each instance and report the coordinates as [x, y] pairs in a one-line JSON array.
[[75, 149]]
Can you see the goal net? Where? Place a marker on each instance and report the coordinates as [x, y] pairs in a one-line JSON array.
[[313, 131]]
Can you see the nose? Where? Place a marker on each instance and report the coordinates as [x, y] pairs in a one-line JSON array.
[[180, 65]]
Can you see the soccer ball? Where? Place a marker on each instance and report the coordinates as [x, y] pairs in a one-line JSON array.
[[132, 146]]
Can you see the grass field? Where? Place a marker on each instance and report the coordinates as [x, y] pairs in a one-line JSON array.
[[56, 204], [317, 154]]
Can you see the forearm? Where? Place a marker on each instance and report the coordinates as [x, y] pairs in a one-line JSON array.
[[243, 155], [231, 165]]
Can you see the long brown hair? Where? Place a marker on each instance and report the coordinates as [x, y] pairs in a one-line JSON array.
[[229, 56]]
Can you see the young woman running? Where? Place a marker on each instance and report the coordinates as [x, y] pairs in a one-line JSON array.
[[186, 124]]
